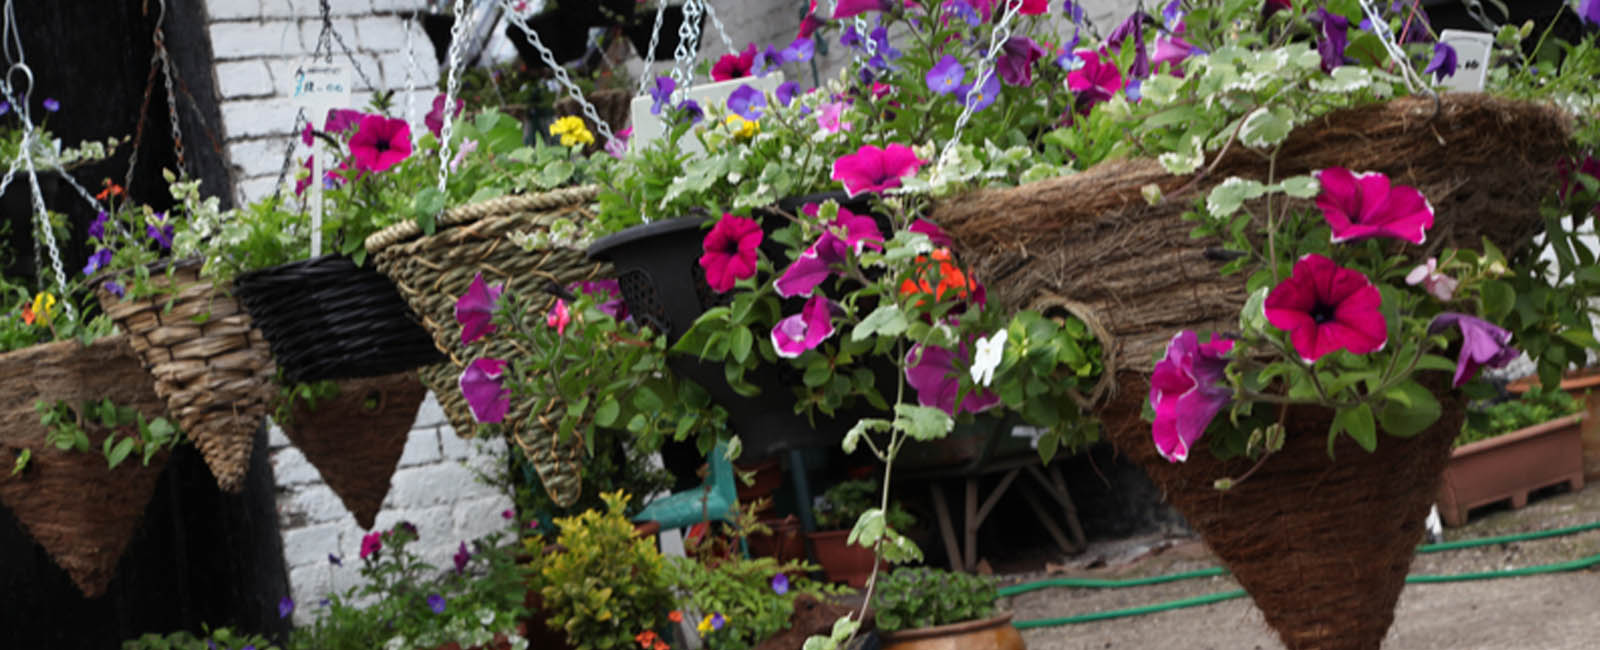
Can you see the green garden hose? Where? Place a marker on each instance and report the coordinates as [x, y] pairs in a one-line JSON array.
[[1207, 599]]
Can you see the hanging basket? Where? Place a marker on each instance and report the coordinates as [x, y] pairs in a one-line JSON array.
[[614, 105], [1321, 545], [213, 369], [326, 318], [81, 512], [356, 438], [432, 271]]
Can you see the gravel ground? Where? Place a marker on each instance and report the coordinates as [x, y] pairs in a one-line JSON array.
[[1546, 612]]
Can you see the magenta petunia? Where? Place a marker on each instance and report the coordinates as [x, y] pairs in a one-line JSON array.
[[1366, 205], [1326, 307], [1097, 80], [1171, 50], [871, 169], [1186, 392], [848, 8], [461, 557], [607, 294], [936, 374], [734, 66], [339, 120], [371, 543], [846, 235], [435, 118], [795, 334], [1015, 64], [559, 317], [380, 143], [481, 386], [935, 235], [730, 251], [1482, 344], [475, 309]]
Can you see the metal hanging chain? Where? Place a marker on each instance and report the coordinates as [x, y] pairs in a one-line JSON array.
[[25, 157], [159, 39], [561, 73], [985, 71], [1397, 55], [688, 47], [411, 82], [288, 155], [325, 45], [717, 23], [645, 78], [458, 33]]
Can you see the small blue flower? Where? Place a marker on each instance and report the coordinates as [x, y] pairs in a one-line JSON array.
[[436, 603], [800, 51], [334, 560], [5, 107], [946, 75], [747, 102], [1134, 90], [51, 105], [97, 228], [114, 288], [765, 61], [97, 261], [1443, 63], [985, 95], [692, 111], [661, 93], [786, 92], [285, 607], [963, 10], [780, 584], [850, 38]]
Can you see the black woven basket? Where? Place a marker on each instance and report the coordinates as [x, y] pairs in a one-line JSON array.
[[326, 318]]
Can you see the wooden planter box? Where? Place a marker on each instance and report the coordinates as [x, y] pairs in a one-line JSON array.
[[1510, 466], [1584, 386]]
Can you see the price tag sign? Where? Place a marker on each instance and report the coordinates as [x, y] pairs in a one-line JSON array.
[[1472, 58], [318, 86]]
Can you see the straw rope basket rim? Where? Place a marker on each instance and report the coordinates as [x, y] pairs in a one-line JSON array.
[[408, 230]]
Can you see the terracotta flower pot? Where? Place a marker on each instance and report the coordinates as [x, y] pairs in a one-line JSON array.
[[1584, 386], [1510, 466], [785, 543], [768, 476], [842, 562], [987, 634]]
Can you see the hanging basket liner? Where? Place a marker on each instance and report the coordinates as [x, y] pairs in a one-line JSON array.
[[80, 511], [432, 271], [355, 438], [213, 369], [614, 105], [327, 318]]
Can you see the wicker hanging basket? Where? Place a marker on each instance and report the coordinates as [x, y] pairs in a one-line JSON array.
[[1322, 546], [432, 271], [326, 318], [356, 438], [213, 369], [81, 512]]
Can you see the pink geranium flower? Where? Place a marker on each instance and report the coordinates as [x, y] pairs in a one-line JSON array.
[[475, 309], [795, 334], [1326, 307], [435, 118], [1097, 80], [380, 143], [871, 169], [1482, 344], [936, 375], [481, 386], [1366, 205], [1186, 392], [730, 251]]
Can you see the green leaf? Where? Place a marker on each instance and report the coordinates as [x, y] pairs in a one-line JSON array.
[[1580, 337], [886, 320], [862, 428], [868, 529], [606, 414], [22, 461], [1498, 298], [1408, 409], [646, 400], [1267, 127], [120, 452], [922, 422], [1301, 187], [1358, 423], [1226, 198], [741, 343]]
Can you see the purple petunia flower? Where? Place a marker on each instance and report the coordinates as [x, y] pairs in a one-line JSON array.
[[162, 234], [475, 309], [51, 105], [97, 261], [1335, 36], [661, 93], [847, 235], [461, 557], [285, 607], [1443, 63], [1186, 392], [747, 102], [436, 603], [1589, 10], [1482, 344], [796, 334], [1015, 64], [946, 75], [486, 396], [936, 376]]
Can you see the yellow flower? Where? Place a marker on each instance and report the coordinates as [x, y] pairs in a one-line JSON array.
[[742, 128], [711, 623], [43, 305], [572, 131]]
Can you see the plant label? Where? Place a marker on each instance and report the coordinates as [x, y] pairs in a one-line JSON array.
[[1472, 58], [648, 127], [318, 86]]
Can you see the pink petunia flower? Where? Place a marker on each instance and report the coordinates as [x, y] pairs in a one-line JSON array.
[[608, 294], [1095, 81], [371, 543], [1186, 392], [828, 118], [1482, 344], [795, 334], [1173, 50], [475, 309], [734, 66], [1015, 63], [936, 375], [380, 143], [481, 386], [1366, 205], [847, 235], [435, 118], [559, 317], [871, 169], [935, 235], [1326, 307], [730, 251], [848, 8], [1437, 284]]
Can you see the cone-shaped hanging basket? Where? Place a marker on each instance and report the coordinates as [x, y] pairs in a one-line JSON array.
[[212, 367], [1322, 546], [82, 512], [432, 271], [356, 438]]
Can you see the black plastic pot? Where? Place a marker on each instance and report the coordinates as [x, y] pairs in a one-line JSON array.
[[644, 22], [437, 27], [567, 38]]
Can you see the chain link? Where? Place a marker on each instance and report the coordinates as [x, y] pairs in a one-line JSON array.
[[561, 73], [25, 157], [688, 46], [458, 32], [717, 23], [985, 71], [159, 39], [288, 154], [411, 83], [1397, 55], [645, 77]]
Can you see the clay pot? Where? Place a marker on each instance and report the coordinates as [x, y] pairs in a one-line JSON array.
[[988, 634], [1584, 386], [786, 542], [1510, 466], [842, 562]]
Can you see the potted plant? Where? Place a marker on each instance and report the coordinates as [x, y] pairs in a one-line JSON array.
[[930, 608], [219, 639], [1510, 449], [835, 545], [604, 585], [1584, 386]]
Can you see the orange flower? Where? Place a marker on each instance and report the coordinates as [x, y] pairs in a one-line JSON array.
[[27, 314], [646, 638], [947, 275], [675, 616], [661, 645], [111, 189]]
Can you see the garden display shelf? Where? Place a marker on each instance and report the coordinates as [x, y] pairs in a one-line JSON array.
[[327, 318], [210, 364], [81, 512], [1321, 545], [432, 271]]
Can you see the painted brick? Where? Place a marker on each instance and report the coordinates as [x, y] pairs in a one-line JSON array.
[[310, 545], [422, 447], [310, 30], [244, 79], [254, 39], [430, 414], [382, 33], [309, 584], [455, 447], [390, 6], [290, 467], [275, 437], [479, 517], [427, 485], [259, 117], [262, 157], [254, 189], [315, 503]]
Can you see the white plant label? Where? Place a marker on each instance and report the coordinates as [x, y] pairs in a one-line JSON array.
[[1472, 58], [318, 86]]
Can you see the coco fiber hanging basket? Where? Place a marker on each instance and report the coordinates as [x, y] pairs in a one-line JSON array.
[[80, 511], [213, 369], [326, 318], [355, 438], [432, 271], [1321, 546]]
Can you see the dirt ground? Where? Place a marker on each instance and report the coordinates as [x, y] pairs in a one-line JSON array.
[[1558, 611]]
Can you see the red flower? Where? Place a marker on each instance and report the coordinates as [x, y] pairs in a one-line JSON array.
[[380, 143], [1325, 307], [734, 66], [730, 251]]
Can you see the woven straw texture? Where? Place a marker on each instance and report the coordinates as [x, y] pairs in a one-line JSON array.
[[216, 374], [327, 318], [82, 513], [433, 271], [356, 438]]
